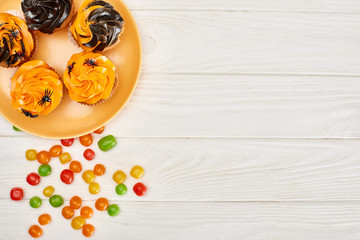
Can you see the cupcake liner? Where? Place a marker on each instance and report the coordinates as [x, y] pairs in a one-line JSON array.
[[19, 14], [63, 88]]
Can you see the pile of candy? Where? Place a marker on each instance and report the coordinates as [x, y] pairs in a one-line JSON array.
[[67, 176]]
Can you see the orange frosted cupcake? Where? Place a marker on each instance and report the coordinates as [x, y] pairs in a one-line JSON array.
[[97, 25], [36, 89], [90, 78], [17, 43]]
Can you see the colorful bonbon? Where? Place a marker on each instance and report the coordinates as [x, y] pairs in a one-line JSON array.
[[16, 194], [86, 212], [55, 151], [113, 210], [67, 212], [94, 188], [65, 158], [44, 170], [16, 129], [100, 130], [31, 154], [75, 166], [101, 204], [56, 201], [119, 176], [89, 154], [43, 157], [99, 169], [121, 189], [67, 142], [44, 219], [86, 140], [88, 176], [77, 222], [33, 178], [139, 189], [137, 172], [48, 191], [35, 202], [35, 231], [75, 202], [88, 230], [106, 143], [67, 176]]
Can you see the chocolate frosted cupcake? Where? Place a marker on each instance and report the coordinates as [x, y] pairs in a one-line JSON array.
[[16, 43], [97, 25], [36, 89], [90, 78], [48, 16]]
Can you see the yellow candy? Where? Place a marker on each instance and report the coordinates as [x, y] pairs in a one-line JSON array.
[[77, 222], [137, 172], [48, 191], [88, 176], [94, 188], [65, 157], [119, 176], [31, 154]]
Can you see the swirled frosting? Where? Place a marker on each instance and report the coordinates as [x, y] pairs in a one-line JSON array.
[[45, 15], [16, 42], [89, 77], [36, 89], [97, 25]]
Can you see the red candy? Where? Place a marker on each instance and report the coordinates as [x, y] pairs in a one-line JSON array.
[[33, 178], [16, 194], [67, 176], [89, 154], [139, 189], [67, 142]]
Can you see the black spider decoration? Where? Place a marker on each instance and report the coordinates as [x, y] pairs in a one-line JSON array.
[[91, 62], [29, 114], [46, 98], [14, 32], [70, 67], [20, 54]]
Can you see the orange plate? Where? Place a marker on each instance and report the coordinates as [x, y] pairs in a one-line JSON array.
[[71, 119]]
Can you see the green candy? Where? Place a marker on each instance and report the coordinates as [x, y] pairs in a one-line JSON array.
[[107, 143], [35, 202], [56, 201], [44, 170], [16, 129], [113, 210], [121, 189]]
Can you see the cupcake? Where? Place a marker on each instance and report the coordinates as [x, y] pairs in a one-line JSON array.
[[36, 89], [90, 78], [48, 16], [97, 25], [17, 43]]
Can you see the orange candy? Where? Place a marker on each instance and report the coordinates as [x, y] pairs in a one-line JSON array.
[[100, 130], [67, 212], [86, 140], [86, 212], [88, 230], [55, 151], [75, 202], [101, 204], [43, 157], [35, 231], [44, 219], [75, 166], [99, 169]]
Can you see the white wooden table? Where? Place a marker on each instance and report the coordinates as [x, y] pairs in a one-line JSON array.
[[246, 119]]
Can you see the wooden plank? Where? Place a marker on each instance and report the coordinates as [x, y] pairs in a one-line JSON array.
[[195, 220], [248, 5], [202, 169], [249, 42], [237, 106]]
